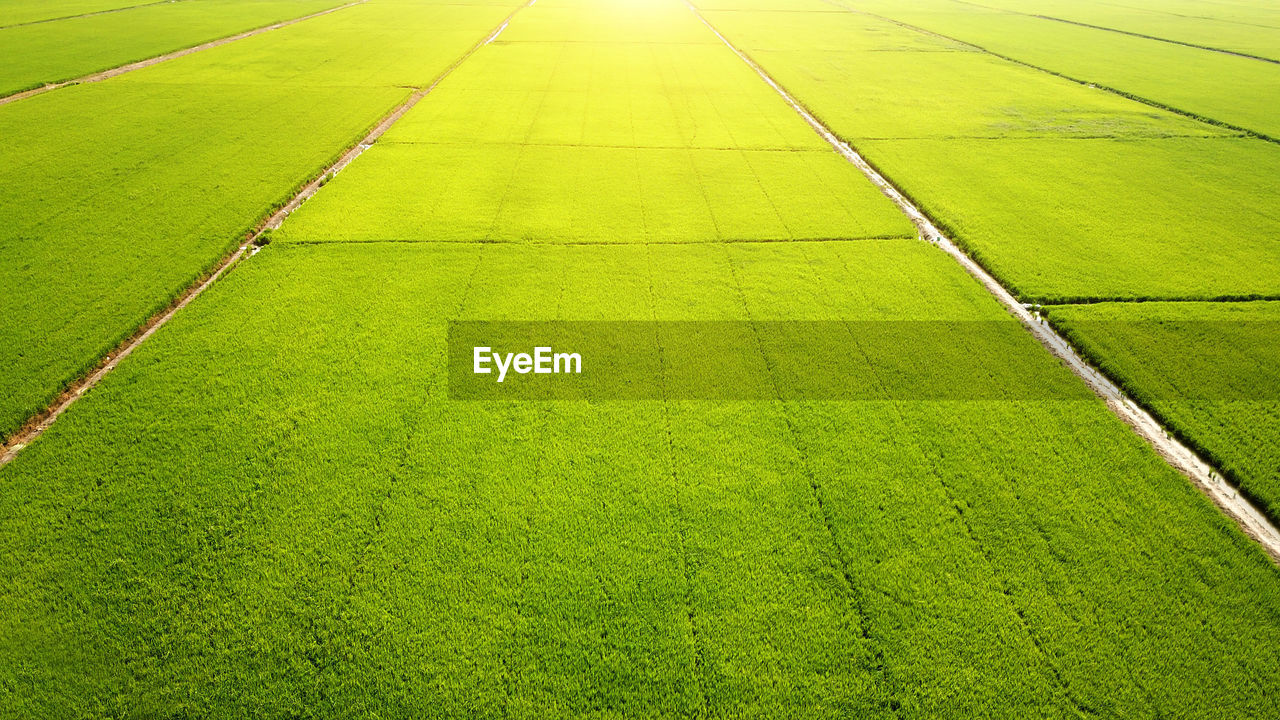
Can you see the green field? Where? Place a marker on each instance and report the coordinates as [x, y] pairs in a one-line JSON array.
[[66, 49], [1248, 28], [358, 542], [983, 144], [1219, 87], [813, 468]]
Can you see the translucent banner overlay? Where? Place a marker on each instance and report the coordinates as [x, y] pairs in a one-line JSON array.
[[735, 361]]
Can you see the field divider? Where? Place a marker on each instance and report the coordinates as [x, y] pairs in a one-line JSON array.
[[1182, 458], [156, 60], [38, 424]]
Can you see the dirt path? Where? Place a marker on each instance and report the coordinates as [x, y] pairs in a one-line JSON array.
[[1250, 519], [117, 71], [36, 426]]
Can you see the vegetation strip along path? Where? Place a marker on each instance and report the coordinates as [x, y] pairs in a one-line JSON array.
[[138, 65], [38, 424], [1249, 518]]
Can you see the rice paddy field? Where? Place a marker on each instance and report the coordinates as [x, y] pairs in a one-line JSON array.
[[814, 464]]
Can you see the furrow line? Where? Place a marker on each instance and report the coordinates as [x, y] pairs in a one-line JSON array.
[[140, 64], [1252, 522], [37, 425]]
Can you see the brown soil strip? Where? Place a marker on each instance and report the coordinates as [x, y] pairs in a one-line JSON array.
[[35, 426], [1202, 474], [117, 71]]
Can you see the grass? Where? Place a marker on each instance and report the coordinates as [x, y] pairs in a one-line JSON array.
[[1208, 370], [141, 183], [333, 533], [67, 49]]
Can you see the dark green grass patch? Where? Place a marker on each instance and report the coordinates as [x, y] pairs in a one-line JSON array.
[[1210, 371], [273, 509]]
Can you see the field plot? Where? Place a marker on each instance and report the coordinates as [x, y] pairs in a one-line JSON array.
[[1083, 219], [1211, 371], [1252, 28], [335, 534], [1226, 88], [142, 182], [18, 12], [52, 52], [1062, 191], [546, 136]]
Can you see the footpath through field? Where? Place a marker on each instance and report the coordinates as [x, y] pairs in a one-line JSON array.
[[277, 507]]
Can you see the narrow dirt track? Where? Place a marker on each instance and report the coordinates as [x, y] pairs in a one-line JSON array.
[[121, 70], [1202, 474], [36, 426]]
